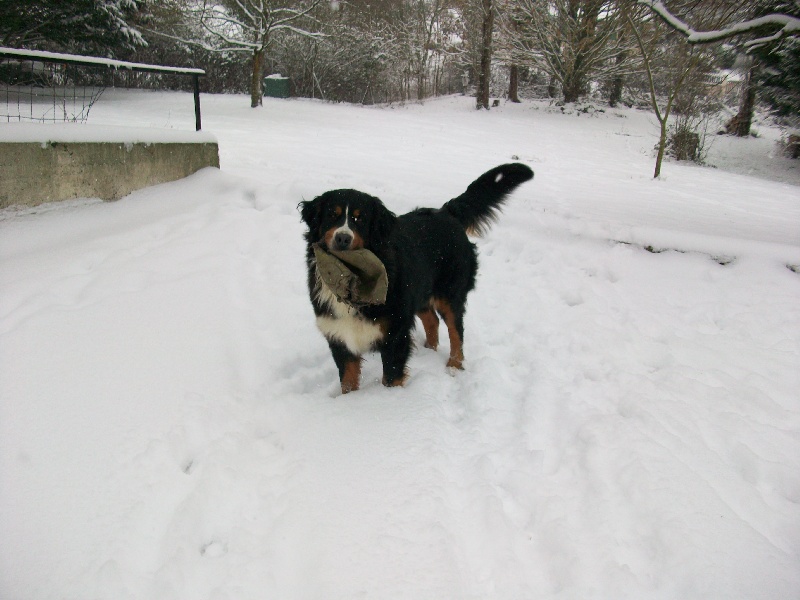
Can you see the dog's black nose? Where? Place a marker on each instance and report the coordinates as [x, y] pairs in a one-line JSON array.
[[342, 241]]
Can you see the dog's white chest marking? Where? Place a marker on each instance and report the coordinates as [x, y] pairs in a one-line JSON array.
[[345, 324]]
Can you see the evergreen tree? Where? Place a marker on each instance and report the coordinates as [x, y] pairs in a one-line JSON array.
[[778, 78], [98, 27]]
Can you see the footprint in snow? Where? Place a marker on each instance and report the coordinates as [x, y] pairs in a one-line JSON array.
[[213, 549], [572, 298]]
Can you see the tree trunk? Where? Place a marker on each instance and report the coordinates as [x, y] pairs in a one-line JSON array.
[[552, 88], [484, 77], [572, 88], [744, 118], [420, 66], [662, 144], [615, 94], [256, 91], [513, 84]]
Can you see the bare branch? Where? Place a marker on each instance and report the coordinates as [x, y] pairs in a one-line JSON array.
[[787, 26], [236, 45]]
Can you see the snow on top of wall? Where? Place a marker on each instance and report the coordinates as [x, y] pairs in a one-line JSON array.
[[73, 132]]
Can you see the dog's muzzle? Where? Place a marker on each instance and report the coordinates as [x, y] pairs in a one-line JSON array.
[[342, 241]]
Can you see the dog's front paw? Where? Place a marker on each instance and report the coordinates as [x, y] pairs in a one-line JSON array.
[[347, 388], [453, 372], [455, 364], [397, 382]]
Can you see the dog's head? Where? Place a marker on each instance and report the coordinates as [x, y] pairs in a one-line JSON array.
[[347, 220]]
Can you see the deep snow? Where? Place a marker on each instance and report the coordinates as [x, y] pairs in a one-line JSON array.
[[628, 425]]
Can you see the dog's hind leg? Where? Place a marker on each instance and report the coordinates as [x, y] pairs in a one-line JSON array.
[[453, 316], [431, 324]]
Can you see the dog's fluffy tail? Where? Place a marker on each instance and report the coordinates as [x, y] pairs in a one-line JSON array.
[[478, 207]]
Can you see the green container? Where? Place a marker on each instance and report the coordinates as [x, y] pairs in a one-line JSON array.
[[276, 86]]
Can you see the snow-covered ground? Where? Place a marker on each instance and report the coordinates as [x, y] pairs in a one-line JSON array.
[[628, 425]]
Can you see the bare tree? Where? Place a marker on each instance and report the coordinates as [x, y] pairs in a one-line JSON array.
[[513, 83], [741, 122], [424, 39], [376, 51], [249, 26], [650, 52], [671, 66], [572, 40]]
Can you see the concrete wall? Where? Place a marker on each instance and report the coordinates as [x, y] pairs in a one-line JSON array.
[[34, 173]]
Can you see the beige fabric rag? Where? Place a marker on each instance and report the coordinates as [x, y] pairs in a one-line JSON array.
[[356, 277]]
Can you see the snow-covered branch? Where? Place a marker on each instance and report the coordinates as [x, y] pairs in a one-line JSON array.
[[780, 25]]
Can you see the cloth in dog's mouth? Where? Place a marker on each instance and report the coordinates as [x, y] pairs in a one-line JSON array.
[[356, 277]]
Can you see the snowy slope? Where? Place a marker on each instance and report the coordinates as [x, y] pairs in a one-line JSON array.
[[628, 425]]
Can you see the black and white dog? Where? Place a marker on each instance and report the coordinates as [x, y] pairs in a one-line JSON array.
[[430, 262]]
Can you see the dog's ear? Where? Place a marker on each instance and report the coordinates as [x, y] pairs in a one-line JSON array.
[[382, 224], [311, 213]]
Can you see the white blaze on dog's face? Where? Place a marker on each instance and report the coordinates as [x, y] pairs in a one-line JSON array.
[[343, 236], [343, 231]]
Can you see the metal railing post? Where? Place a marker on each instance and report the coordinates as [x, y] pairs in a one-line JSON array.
[[197, 102]]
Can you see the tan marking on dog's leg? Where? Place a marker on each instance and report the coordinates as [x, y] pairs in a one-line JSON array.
[[456, 360], [431, 324], [351, 376]]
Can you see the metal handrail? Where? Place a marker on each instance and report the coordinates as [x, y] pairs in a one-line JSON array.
[[94, 61]]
